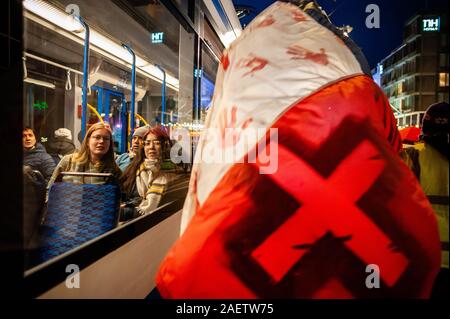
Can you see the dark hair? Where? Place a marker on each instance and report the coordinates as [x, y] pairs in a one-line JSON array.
[[435, 128], [128, 177], [435, 121], [28, 128], [36, 137]]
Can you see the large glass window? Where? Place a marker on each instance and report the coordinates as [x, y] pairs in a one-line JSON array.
[[208, 75], [53, 65], [400, 88], [443, 79]]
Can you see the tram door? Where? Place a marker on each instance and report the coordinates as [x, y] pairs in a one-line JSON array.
[[112, 107]]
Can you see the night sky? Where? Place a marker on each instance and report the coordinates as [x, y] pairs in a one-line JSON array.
[[375, 43]]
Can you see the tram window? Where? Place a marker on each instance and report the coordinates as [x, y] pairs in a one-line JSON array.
[[43, 99], [414, 120], [421, 115], [54, 57], [208, 74]]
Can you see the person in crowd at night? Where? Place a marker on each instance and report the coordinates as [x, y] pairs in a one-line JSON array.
[[318, 200], [60, 145], [124, 159], [145, 181], [35, 155], [96, 155], [429, 162]]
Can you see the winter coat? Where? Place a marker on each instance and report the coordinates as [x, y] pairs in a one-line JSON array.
[[431, 169], [123, 160], [34, 186], [38, 159], [151, 185]]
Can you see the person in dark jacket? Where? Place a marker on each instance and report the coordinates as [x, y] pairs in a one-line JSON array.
[[429, 162], [34, 188], [35, 155], [61, 144]]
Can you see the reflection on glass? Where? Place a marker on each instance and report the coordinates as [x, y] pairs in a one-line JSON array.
[[52, 103]]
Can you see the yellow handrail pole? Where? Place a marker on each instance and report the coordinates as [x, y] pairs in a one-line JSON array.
[[141, 118], [96, 113]]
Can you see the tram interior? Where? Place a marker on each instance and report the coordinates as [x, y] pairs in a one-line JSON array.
[[53, 59]]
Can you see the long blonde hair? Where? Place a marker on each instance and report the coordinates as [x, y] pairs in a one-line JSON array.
[[84, 154]]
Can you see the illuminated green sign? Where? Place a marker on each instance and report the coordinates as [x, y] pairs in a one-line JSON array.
[[40, 105], [198, 73], [157, 37], [431, 24]]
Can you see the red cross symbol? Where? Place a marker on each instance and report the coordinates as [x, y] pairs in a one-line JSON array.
[[328, 205]]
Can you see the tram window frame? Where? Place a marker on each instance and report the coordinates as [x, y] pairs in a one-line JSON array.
[[78, 80]]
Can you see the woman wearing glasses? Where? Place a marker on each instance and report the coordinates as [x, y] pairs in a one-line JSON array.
[[95, 156], [144, 182]]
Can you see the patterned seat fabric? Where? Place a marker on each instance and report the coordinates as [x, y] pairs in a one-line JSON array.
[[77, 213]]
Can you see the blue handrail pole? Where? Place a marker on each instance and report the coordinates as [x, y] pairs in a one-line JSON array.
[[163, 93], [133, 89], [85, 76]]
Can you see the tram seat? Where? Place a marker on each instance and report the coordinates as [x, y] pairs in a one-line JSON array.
[[77, 213]]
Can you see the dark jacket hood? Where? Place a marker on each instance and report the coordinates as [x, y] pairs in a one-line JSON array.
[[60, 145]]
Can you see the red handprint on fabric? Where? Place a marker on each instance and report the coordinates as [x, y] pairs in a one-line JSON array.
[[301, 53], [254, 62], [225, 61], [193, 187], [298, 16], [230, 133], [269, 20]]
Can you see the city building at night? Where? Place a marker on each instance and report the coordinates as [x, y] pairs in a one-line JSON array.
[[416, 74]]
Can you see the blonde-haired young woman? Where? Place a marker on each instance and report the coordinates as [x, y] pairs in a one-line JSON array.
[[95, 156]]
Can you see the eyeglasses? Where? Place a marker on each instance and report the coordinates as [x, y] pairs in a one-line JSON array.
[[99, 137], [155, 142]]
